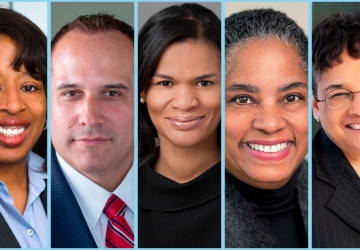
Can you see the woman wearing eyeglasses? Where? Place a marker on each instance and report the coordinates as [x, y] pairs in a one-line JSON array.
[[336, 146]]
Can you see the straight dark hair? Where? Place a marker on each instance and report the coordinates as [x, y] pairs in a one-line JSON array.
[[177, 23], [30, 53]]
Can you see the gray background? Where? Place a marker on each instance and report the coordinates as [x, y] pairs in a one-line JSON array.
[[146, 10], [61, 13]]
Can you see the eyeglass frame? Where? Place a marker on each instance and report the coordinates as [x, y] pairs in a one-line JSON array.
[[351, 97]]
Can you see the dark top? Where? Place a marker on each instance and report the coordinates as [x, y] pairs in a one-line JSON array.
[[336, 196], [279, 207], [179, 215]]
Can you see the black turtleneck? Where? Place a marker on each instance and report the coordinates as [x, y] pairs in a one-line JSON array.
[[279, 207]]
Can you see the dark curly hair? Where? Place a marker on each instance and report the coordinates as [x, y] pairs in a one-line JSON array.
[[330, 38], [242, 27], [174, 24]]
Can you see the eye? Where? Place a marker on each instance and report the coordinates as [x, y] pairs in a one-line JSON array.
[[112, 93], [204, 83], [243, 99], [29, 88], [71, 93], [292, 98], [166, 83]]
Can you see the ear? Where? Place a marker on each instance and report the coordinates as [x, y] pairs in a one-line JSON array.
[[315, 107], [143, 95]]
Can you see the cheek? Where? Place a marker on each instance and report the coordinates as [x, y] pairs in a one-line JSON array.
[[236, 125]]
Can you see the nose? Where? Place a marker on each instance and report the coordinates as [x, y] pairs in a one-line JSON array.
[[185, 97], [90, 112], [355, 105], [269, 120], [11, 101]]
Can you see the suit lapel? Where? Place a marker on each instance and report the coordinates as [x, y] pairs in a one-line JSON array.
[[344, 202], [7, 238], [333, 168], [68, 225]]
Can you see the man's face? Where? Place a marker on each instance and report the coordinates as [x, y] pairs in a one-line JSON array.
[[92, 101]]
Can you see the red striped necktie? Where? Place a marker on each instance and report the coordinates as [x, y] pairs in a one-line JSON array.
[[118, 232]]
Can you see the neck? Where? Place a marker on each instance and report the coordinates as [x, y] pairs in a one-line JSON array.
[[112, 178], [15, 177], [354, 160], [184, 164]]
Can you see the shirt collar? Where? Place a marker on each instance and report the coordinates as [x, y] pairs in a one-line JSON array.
[[92, 197]]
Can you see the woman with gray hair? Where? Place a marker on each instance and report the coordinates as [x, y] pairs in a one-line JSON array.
[[266, 130]]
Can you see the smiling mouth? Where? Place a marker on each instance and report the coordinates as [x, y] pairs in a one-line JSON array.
[[354, 126], [12, 131], [269, 148]]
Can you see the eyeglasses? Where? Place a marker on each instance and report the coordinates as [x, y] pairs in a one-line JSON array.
[[338, 98]]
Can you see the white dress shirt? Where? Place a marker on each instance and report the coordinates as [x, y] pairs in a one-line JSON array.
[[92, 199]]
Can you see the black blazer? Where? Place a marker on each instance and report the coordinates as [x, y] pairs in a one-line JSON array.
[[68, 226], [336, 196], [7, 238]]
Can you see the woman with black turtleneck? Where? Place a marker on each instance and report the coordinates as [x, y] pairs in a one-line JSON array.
[[266, 130]]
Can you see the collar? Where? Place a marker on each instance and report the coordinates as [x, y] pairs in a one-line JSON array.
[[91, 197], [329, 162]]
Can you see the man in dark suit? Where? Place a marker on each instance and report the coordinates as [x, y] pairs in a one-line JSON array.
[[92, 133], [336, 146]]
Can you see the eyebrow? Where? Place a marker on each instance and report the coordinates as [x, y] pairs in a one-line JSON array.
[[334, 86], [242, 86], [292, 86], [196, 78], [106, 86]]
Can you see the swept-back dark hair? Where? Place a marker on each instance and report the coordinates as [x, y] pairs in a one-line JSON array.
[[177, 23], [242, 27], [94, 23], [330, 38], [30, 53]]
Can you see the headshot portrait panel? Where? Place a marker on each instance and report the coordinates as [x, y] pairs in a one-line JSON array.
[[336, 110], [179, 125], [23, 126], [92, 118], [266, 125]]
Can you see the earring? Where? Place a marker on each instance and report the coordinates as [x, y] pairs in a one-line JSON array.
[[142, 100], [317, 120], [45, 124]]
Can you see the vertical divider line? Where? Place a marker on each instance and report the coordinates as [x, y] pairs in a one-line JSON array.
[[222, 124], [310, 124], [48, 120], [136, 102]]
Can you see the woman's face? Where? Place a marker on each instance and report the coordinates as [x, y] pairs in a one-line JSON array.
[[22, 107], [341, 125], [183, 98], [266, 113]]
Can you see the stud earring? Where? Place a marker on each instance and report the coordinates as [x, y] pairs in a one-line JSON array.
[[317, 120], [142, 100]]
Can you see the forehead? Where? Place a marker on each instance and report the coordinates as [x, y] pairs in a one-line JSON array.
[[182, 57], [345, 74], [82, 57], [264, 62]]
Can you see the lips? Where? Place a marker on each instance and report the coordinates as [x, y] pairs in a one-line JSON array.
[[185, 122], [92, 141], [13, 131], [269, 148], [354, 126]]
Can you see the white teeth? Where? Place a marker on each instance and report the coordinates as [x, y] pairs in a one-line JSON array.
[[268, 148], [354, 126], [11, 131]]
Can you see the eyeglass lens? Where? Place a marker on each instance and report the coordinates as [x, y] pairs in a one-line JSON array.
[[339, 98]]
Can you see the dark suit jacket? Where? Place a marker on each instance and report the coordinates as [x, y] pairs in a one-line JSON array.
[[7, 238], [68, 226], [336, 196]]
